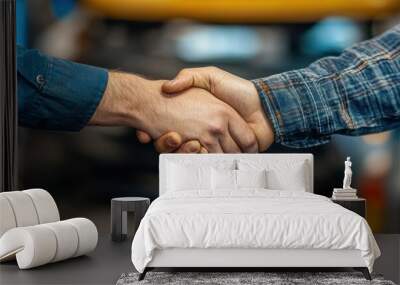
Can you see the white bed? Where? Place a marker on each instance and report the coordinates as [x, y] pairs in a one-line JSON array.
[[248, 227]]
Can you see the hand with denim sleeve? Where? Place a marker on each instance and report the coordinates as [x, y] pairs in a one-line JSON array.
[[355, 93], [62, 95]]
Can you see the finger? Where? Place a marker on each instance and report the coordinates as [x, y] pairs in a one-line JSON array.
[[187, 78], [143, 137], [242, 134], [168, 142], [211, 144], [190, 147], [203, 150], [178, 84], [228, 144]]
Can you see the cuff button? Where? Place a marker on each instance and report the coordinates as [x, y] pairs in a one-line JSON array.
[[40, 79]]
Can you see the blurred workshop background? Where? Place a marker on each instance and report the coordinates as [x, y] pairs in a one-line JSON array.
[[157, 38]]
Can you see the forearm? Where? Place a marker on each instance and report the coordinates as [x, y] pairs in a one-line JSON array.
[[355, 93]]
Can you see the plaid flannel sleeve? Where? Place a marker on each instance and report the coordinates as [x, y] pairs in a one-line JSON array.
[[355, 93]]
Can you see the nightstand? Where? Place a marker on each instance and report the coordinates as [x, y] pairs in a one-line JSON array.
[[358, 205], [119, 215]]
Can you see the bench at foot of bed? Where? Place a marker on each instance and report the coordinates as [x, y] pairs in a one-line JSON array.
[[363, 270]]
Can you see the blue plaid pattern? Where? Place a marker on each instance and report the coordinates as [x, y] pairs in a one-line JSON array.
[[355, 93]]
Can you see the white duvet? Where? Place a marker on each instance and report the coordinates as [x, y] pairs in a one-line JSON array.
[[250, 219]]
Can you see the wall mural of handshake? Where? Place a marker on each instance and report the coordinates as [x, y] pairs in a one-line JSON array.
[[210, 110], [32, 233]]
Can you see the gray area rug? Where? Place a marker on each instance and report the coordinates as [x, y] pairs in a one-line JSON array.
[[233, 278]]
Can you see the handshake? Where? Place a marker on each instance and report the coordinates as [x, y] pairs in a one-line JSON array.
[[202, 110]]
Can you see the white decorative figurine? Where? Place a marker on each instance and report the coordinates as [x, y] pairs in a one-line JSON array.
[[347, 192], [347, 174]]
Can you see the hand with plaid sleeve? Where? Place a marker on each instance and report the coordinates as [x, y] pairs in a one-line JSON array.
[[355, 93]]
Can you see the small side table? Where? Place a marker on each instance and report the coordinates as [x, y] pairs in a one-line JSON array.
[[358, 205], [119, 215]]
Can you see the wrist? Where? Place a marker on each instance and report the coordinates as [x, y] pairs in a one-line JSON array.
[[145, 113], [110, 111], [263, 128], [124, 101]]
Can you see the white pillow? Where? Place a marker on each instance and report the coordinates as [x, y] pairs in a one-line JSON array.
[[280, 175], [251, 178], [223, 179], [292, 179], [185, 174], [181, 177]]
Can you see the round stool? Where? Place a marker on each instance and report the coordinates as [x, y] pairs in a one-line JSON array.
[[119, 215]]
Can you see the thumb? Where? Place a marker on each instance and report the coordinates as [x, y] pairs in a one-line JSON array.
[[187, 78], [178, 84]]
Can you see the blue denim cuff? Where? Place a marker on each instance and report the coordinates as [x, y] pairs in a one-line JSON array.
[[58, 94]]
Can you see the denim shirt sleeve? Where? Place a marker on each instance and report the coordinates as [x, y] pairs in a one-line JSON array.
[[355, 93], [56, 94]]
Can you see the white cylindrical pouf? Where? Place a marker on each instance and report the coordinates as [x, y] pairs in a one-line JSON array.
[[45, 205], [87, 234], [40, 244], [34, 245], [7, 218], [67, 239], [23, 208]]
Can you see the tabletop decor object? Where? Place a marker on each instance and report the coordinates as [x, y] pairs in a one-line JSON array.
[[347, 192]]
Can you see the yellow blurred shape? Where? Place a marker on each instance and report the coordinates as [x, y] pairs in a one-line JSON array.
[[380, 138], [377, 163], [243, 11]]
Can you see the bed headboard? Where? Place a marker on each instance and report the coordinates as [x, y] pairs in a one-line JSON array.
[[200, 158]]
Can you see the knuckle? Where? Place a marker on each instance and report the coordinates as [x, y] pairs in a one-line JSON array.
[[217, 128], [250, 142]]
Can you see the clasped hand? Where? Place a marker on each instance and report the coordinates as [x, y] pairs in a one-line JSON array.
[[201, 110], [231, 122]]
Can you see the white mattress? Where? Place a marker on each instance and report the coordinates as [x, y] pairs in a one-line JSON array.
[[250, 219]]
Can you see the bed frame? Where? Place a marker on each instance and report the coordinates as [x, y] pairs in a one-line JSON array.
[[246, 258]]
